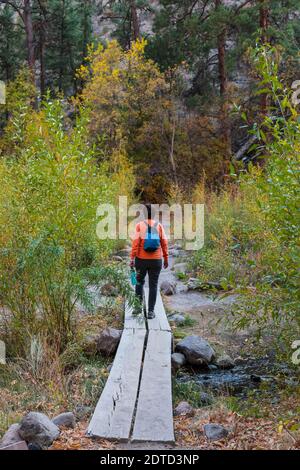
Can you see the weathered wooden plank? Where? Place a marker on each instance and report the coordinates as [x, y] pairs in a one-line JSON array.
[[113, 415], [160, 322], [154, 414], [133, 321]]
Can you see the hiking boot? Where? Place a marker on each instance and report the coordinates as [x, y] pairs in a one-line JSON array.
[[151, 315]]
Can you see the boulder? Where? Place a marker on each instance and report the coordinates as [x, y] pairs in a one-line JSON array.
[[225, 362], [108, 341], [205, 399], [184, 409], [178, 360], [66, 420], [196, 350], [215, 432], [90, 344], [38, 429], [82, 411], [11, 436], [168, 288], [177, 318]]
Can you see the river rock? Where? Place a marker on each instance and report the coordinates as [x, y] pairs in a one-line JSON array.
[[215, 432], [168, 288], [196, 350], [37, 428], [177, 318], [225, 362], [66, 420], [178, 360], [184, 409], [108, 341], [11, 436]]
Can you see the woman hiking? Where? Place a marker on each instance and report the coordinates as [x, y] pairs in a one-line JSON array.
[[149, 248]]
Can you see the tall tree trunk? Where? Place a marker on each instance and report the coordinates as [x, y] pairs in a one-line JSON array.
[[61, 48], [264, 23], [86, 28], [27, 17], [134, 21], [171, 151], [42, 61], [42, 43], [223, 80]]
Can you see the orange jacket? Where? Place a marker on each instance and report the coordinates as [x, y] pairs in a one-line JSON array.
[[137, 250]]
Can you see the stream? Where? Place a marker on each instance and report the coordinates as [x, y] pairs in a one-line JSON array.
[[208, 312]]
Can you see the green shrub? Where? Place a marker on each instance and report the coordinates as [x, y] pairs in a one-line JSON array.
[[51, 186], [252, 227]]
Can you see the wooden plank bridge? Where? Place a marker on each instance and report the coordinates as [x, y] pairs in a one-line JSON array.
[[136, 403]]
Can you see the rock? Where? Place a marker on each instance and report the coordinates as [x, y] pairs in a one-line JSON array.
[[212, 367], [168, 288], [21, 445], [177, 318], [178, 360], [124, 252], [196, 350], [90, 344], [108, 290], [239, 361], [38, 429], [108, 341], [117, 258], [180, 267], [255, 378], [205, 399], [82, 411], [108, 368], [11, 436], [196, 284], [66, 420], [193, 283], [215, 432], [184, 409], [174, 252], [32, 446], [225, 362]]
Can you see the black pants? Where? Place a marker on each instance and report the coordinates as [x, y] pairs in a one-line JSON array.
[[153, 268]]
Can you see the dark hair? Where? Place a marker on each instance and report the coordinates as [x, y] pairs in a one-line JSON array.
[[149, 212]]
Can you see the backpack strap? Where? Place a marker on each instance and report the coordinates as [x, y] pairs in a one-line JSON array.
[[149, 226]]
